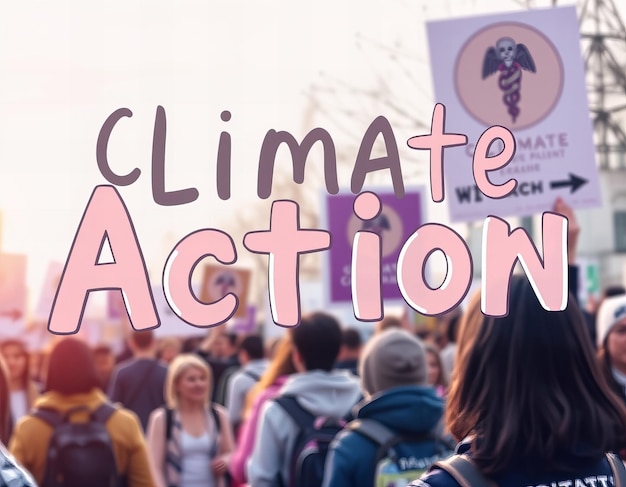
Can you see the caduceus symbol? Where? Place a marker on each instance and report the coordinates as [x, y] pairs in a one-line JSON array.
[[509, 58]]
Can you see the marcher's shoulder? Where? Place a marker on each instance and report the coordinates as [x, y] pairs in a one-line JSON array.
[[126, 418]]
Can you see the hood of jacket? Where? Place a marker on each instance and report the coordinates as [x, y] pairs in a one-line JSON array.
[[412, 409], [324, 393]]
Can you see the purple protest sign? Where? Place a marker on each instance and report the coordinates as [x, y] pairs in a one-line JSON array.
[[244, 325], [399, 218], [116, 309]]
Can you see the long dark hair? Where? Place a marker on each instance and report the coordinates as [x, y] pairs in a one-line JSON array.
[[71, 369], [529, 389]]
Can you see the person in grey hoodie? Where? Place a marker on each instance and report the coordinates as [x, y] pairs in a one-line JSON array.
[[318, 388], [253, 365]]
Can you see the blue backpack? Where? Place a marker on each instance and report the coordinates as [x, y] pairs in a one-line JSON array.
[[312, 444]]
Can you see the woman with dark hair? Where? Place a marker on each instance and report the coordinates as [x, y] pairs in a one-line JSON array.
[[437, 376], [11, 472], [23, 390], [72, 384], [529, 399]]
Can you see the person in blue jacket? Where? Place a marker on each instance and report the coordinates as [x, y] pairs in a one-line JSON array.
[[530, 401], [393, 371]]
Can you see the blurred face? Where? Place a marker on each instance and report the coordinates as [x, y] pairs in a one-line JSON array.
[[169, 353], [219, 347], [104, 364], [616, 345], [193, 385], [433, 368], [16, 361]]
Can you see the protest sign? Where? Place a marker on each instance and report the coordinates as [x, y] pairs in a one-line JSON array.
[[523, 71], [244, 325], [171, 324], [50, 286], [12, 295], [398, 219], [218, 281]]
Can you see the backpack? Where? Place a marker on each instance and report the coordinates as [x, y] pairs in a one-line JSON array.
[[465, 473], [312, 444], [80, 454], [395, 466]]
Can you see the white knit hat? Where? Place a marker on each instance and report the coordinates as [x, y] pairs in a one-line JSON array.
[[612, 310]]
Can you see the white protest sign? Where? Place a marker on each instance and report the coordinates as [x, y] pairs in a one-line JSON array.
[[523, 71], [12, 295], [172, 325], [48, 292]]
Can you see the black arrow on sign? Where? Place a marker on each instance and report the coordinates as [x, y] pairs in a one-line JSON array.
[[574, 181]]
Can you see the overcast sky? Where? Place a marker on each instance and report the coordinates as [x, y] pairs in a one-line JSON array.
[[68, 64]]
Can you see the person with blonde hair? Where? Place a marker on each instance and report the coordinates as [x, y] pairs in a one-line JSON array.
[[191, 438]]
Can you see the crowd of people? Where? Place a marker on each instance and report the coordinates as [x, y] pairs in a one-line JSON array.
[[534, 398]]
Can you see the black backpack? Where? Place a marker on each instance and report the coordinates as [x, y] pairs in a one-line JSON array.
[[312, 444], [80, 454]]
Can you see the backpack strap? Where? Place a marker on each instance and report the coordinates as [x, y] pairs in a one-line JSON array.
[[103, 413], [216, 417], [169, 422], [384, 437], [463, 470], [252, 375], [373, 430], [618, 469], [301, 416], [50, 416]]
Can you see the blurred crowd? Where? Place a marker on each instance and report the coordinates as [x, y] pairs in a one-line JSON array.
[[534, 398]]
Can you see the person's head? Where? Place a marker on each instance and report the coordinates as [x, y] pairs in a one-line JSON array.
[[16, 359], [191, 344], [169, 348], [142, 342], [225, 345], [350, 344], [613, 290], [251, 348], [528, 387], [5, 404], [392, 358], [317, 340], [447, 325], [188, 379], [104, 360], [436, 373], [611, 331], [388, 322], [71, 368]]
